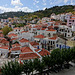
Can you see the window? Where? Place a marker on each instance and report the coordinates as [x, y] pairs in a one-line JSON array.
[[49, 41], [69, 23], [72, 20], [57, 45], [53, 42]]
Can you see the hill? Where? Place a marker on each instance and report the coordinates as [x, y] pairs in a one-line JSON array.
[[41, 13], [12, 14], [56, 9]]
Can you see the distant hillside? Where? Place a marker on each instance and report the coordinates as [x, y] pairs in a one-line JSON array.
[[12, 14], [56, 9], [41, 13]]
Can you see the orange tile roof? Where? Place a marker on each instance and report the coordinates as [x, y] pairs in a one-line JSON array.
[[4, 47], [43, 28], [16, 45], [26, 49], [16, 48], [23, 40], [53, 38], [24, 31], [44, 52], [4, 41], [17, 28], [51, 30], [39, 36], [14, 39], [28, 56], [50, 27], [10, 35], [1, 31], [34, 43], [1, 35], [72, 18]]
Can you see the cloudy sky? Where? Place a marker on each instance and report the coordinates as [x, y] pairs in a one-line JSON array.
[[31, 5]]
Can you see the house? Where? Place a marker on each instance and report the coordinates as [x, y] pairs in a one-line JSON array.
[[15, 50], [65, 30], [71, 22], [24, 42], [71, 42], [39, 38], [27, 53], [4, 50]]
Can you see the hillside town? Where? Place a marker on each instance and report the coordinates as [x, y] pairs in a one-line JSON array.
[[35, 40]]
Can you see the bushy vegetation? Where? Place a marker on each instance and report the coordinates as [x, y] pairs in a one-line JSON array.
[[56, 61], [6, 30]]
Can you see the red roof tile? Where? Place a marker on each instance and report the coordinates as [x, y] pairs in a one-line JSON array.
[[16, 48], [23, 40], [53, 38], [26, 49], [16, 45], [44, 52], [4, 47], [10, 35], [39, 36], [28, 56], [34, 43], [51, 30]]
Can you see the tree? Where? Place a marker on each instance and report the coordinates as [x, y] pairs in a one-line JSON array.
[[56, 55], [11, 68], [47, 61], [6, 30], [66, 56], [39, 65]]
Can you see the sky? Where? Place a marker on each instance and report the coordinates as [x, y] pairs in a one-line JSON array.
[[31, 5]]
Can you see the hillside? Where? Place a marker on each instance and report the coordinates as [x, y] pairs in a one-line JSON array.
[[41, 13], [12, 14], [55, 9]]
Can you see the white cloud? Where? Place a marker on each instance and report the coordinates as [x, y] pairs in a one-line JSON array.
[[44, 2], [36, 1], [72, 2], [65, 1], [44, 8], [15, 9], [16, 2]]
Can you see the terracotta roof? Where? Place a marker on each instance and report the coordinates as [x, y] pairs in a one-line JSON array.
[[24, 31], [44, 52], [72, 18], [51, 30], [28, 56], [4, 41], [16, 48], [17, 28], [34, 43], [26, 49], [43, 28], [1, 35], [53, 38], [16, 45], [50, 27], [1, 31], [10, 35], [14, 39], [39, 36], [4, 47], [23, 40]]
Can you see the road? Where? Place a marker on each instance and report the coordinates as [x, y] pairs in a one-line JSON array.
[[70, 71]]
